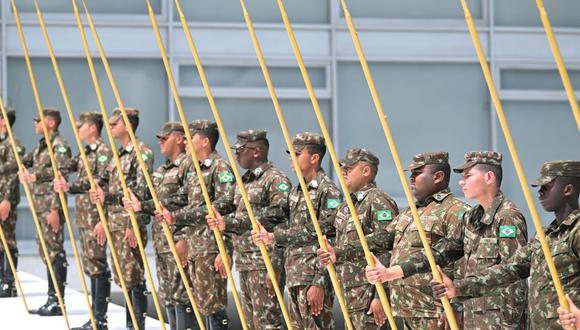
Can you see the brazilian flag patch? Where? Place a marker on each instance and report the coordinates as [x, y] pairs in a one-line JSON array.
[[332, 203], [283, 187], [507, 231], [102, 159], [460, 215], [384, 215], [146, 156], [62, 149], [19, 150], [226, 177]]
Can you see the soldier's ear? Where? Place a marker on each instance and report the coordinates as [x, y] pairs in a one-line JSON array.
[[438, 177]]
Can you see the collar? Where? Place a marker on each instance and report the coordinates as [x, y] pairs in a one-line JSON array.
[[178, 161], [569, 221], [52, 137], [257, 172], [3, 136], [126, 149], [209, 160], [363, 192], [96, 145], [493, 208], [437, 197]]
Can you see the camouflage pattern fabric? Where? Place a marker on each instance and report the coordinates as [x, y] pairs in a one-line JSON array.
[[358, 300], [300, 315], [129, 259], [9, 187], [209, 288], [261, 311]]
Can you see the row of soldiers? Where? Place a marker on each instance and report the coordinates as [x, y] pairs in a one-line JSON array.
[[489, 268]]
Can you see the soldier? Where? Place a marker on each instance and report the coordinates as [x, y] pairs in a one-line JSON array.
[[92, 235], [559, 184], [167, 179], [188, 211], [376, 210], [122, 233], [49, 211], [310, 293], [9, 199], [268, 190], [490, 233]]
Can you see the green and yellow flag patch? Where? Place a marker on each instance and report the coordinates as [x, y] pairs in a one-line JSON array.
[[283, 187], [507, 231], [62, 149], [384, 215], [332, 203], [102, 159], [226, 177]]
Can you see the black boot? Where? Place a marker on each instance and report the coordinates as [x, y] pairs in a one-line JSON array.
[[100, 292], [170, 311], [185, 317], [52, 308], [2, 275], [217, 321], [8, 289], [139, 300]]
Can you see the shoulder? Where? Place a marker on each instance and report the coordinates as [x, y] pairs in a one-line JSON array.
[[509, 213]]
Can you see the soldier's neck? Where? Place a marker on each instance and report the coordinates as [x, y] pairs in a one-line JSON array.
[[92, 139], [3, 130], [565, 211], [125, 140], [487, 198], [202, 154], [175, 154], [257, 164], [309, 174]]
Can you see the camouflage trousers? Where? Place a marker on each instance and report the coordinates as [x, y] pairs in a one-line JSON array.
[[93, 255], [358, 301], [171, 288], [9, 228], [300, 315], [130, 259], [54, 241], [209, 288], [420, 323], [261, 310], [492, 319]]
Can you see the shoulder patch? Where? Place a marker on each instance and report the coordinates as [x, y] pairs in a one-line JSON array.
[[146, 155], [62, 149], [332, 203], [384, 215], [283, 187], [19, 150], [102, 159], [226, 177], [507, 231], [460, 214]]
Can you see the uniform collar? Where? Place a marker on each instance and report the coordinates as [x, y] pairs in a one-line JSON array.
[[209, 160], [178, 161], [363, 192], [316, 181], [436, 197], [258, 171], [127, 149], [94, 146]]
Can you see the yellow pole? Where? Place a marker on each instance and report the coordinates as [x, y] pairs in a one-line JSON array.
[[62, 197], [514, 154], [144, 169], [332, 152], [4, 242], [132, 218], [240, 183], [198, 171], [287, 138], [393, 148], [559, 61]]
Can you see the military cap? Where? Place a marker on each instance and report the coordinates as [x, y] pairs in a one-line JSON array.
[[304, 139], [355, 155], [117, 114], [50, 112], [11, 114], [551, 170], [202, 125], [90, 117], [428, 158], [473, 158], [251, 135], [170, 127]]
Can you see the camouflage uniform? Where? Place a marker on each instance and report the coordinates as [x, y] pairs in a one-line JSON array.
[[9, 191], [375, 210], [302, 267], [529, 262], [189, 211], [486, 238], [267, 189], [439, 213]]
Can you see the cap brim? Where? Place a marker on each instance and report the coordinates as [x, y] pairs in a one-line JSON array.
[[414, 166], [237, 145], [113, 119], [542, 181], [463, 167]]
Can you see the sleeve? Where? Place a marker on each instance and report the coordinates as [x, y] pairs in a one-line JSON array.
[[27, 159], [139, 185], [62, 155], [510, 243], [452, 221], [276, 211], [10, 169]]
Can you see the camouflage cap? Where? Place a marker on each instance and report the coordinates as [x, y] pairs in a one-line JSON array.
[[473, 158], [355, 155], [552, 170], [50, 112], [170, 127], [202, 125], [304, 139], [427, 158], [90, 117], [251, 135], [117, 114]]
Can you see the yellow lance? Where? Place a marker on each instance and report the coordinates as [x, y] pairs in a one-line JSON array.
[[4, 241], [368, 256], [143, 167], [61, 195], [311, 211], [217, 234], [393, 148], [239, 182], [514, 154], [559, 61]]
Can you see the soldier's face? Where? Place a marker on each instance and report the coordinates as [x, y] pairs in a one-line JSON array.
[[197, 141], [2, 125], [304, 160], [84, 131], [354, 176], [246, 156], [552, 195], [421, 182], [473, 182], [38, 127], [118, 128]]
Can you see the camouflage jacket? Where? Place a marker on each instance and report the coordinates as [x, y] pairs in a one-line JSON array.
[[440, 215], [39, 163], [188, 205], [9, 186], [485, 239], [529, 262], [299, 239], [376, 210], [267, 189], [98, 156], [118, 218]]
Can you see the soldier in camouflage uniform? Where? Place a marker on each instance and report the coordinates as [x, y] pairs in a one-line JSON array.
[[310, 292], [376, 211], [9, 199], [48, 207], [93, 249], [124, 238], [167, 179], [490, 233], [559, 184], [188, 210], [268, 190]]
